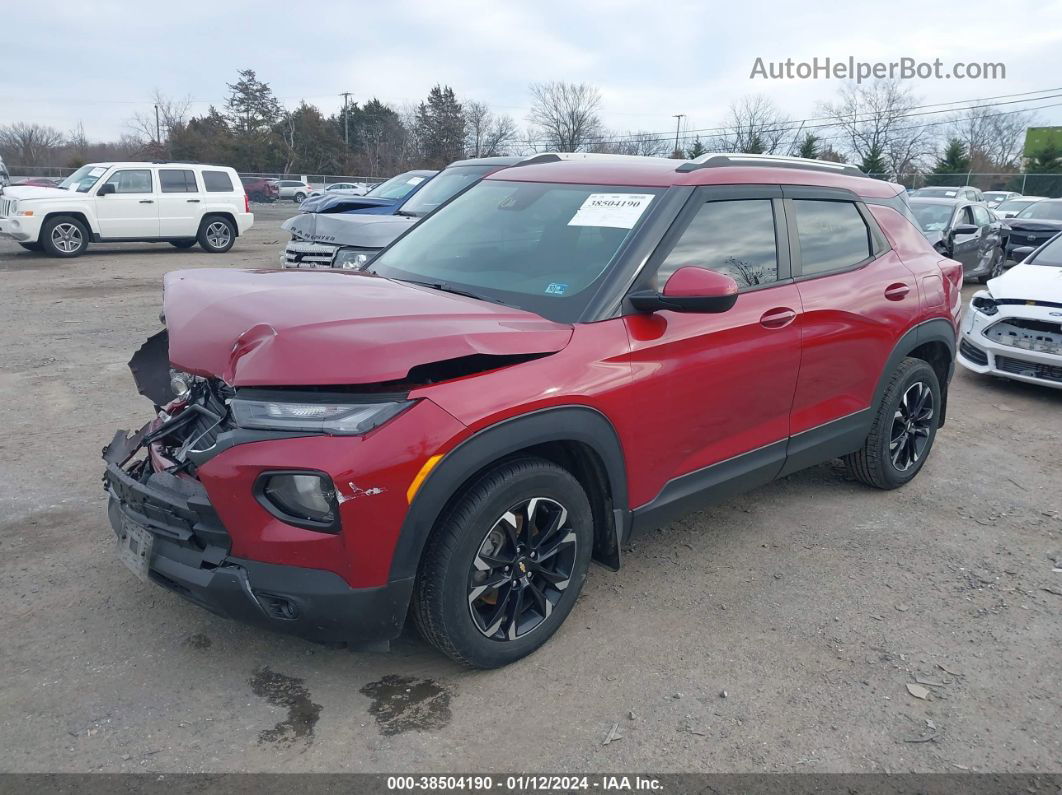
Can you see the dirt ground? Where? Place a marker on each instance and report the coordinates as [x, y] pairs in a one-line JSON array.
[[778, 632]]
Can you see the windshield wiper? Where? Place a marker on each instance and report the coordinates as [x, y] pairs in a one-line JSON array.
[[447, 288]]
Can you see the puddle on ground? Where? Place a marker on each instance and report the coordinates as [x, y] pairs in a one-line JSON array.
[[286, 691], [404, 703]]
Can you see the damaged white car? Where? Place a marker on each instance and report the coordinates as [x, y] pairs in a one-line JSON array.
[[1014, 328]]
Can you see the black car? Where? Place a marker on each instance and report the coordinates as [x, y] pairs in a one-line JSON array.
[[1033, 227], [965, 231]]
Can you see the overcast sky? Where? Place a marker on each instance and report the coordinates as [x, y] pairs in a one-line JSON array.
[[100, 62]]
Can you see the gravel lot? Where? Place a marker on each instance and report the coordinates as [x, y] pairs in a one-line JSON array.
[[778, 632]]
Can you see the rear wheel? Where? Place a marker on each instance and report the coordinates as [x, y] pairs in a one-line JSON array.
[[32, 246], [216, 234], [300, 197], [64, 236], [997, 266], [903, 431], [504, 566]]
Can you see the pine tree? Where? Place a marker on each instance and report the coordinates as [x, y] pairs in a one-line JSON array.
[[873, 163], [696, 149], [955, 159], [809, 146], [253, 113], [440, 127]]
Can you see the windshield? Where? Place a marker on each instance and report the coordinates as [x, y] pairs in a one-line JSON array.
[[447, 184], [931, 217], [396, 187], [937, 193], [83, 179], [536, 246], [1044, 211], [1050, 255], [1014, 205]]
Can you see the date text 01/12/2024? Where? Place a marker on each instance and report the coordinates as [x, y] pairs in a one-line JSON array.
[[519, 783]]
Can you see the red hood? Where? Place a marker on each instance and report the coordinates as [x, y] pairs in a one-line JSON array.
[[303, 328]]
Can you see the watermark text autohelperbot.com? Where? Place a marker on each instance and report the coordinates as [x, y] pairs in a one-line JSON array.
[[852, 69]]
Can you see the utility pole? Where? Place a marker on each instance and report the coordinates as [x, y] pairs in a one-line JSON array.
[[346, 122], [678, 123], [158, 131]]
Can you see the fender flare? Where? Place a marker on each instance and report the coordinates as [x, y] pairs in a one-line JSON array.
[[562, 423], [935, 330]]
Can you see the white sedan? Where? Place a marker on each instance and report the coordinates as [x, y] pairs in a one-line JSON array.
[[1014, 328], [344, 189]]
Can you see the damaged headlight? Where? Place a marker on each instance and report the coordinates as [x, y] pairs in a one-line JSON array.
[[352, 258], [984, 305], [335, 419]]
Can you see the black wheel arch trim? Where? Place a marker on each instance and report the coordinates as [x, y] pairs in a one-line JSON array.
[[936, 329], [571, 423]]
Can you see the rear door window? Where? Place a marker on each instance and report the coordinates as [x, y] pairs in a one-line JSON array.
[[174, 180], [833, 235]]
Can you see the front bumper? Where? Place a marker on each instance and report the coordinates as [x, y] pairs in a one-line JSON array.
[[301, 254], [23, 229], [981, 354], [190, 556]]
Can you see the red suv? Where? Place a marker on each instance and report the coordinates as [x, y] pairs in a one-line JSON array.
[[566, 353]]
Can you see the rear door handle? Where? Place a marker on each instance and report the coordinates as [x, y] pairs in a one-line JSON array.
[[897, 292], [193, 201], [779, 317], [147, 201]]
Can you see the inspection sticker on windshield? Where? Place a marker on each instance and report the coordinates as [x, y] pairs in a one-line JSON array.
[[97, 172], [618, 210], [414, 180]]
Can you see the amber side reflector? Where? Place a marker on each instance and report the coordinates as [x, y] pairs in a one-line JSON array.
[[425, 470]]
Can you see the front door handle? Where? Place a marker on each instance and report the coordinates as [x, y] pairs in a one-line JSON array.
[[897, 292], [779, 317], [147, 201], [193, 201]]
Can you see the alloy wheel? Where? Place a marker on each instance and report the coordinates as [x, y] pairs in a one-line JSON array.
[[66, 237], [911, 426], [522, 569], [218, 234]]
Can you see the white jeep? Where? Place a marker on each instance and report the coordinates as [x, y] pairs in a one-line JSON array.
[[176, 203]]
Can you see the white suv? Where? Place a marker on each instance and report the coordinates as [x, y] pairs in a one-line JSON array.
[[294, 189], [177, 203]]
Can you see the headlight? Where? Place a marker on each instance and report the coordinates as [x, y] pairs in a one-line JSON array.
[[302, 498], [353, 258], [334, 419], [985, 306]]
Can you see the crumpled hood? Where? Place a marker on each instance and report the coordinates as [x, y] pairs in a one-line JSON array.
[[1029, 283], [1034, 224], [318, 328], [34, 192], [339, 203], [364, 231]]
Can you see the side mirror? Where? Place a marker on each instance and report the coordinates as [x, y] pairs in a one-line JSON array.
[[690, 289], [106, 189], [965, 229]]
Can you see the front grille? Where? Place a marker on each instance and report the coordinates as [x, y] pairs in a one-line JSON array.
[[973, 353], [308, 255], [1047, 372], [5, 207]]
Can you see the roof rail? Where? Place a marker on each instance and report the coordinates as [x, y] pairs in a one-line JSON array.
[[721, 159], [556, 157]]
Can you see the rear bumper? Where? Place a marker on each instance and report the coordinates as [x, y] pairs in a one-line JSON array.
[[244, 221], [190, 556]]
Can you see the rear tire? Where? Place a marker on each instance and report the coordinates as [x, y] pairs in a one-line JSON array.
[[32, 246], [216, 234], [901, 436], [183, 243], [504, 566], [998, 268], [64, 236]]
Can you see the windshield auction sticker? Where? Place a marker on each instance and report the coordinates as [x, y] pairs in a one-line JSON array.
[[617, 210]]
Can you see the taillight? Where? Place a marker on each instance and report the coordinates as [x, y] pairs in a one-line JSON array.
[[246, 203]]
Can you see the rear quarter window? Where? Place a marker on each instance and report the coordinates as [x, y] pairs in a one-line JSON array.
[[217, 182], [832, 234]]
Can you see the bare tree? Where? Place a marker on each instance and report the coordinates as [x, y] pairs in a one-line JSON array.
[[565, 115], [488, 135], [992, 138], [755, 125], [872, 117], [642, 143], [172, 113], [29, 144]]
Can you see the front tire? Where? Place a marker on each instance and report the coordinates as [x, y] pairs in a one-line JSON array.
[[64, 236], [216, 234], [505, 564], [901, 436], [299, 198]]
